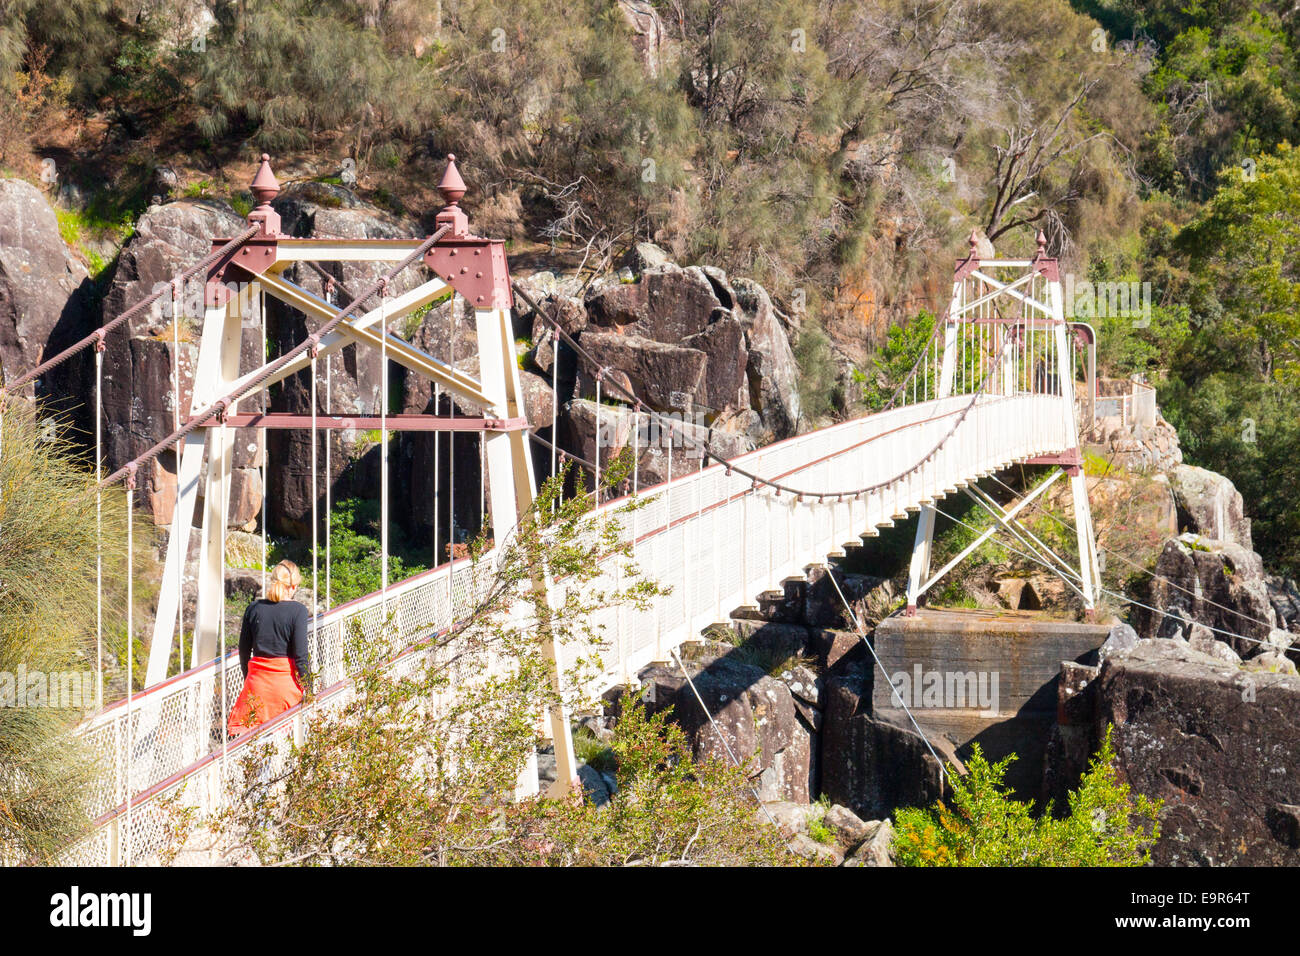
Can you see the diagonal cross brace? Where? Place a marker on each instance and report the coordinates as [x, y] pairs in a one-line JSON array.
[[360, 330], [988, 533]]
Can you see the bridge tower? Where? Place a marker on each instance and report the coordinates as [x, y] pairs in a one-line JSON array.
[[1005, 333], [468, 266]]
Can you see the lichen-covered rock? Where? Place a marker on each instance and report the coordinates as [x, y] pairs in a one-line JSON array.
[[850, 830], [1220, 747], [1216, 583], [877, 849], [1209, 504], [1200, 638], [45, 303], [771, 368], [754, 716], [1121, 638], [657, 372], [1285, 598], [667, 304]]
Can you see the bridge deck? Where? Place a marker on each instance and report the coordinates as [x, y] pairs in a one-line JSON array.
[[164, 747]]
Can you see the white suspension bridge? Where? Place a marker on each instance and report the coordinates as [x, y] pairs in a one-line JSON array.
[[994, 386]]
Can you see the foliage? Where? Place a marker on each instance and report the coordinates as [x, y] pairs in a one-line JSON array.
[[985, 826], [48, 554], [1230, 385], [816, 362], [419, 766], [355, 567], [894, 360]]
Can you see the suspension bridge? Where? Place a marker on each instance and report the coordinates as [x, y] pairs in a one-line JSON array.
[[994, 385]]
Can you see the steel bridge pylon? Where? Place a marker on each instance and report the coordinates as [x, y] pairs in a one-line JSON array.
[[473, 268], [990, 353]]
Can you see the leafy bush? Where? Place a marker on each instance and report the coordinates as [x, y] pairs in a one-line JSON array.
[[355, 567], [985, 826], [408, 772]]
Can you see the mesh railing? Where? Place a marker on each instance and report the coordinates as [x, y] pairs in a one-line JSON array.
[[713, 537]]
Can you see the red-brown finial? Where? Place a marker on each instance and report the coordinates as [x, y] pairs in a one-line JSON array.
[[265, 188], [974, 241], [1041, 239], [452, 187]]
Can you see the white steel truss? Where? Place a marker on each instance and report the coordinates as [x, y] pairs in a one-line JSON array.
[[1027, 350]]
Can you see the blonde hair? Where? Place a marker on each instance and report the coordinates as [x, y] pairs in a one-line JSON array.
[[284, 577]]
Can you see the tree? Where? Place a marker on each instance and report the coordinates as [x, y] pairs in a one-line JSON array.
[[1230, 385], [420, 765]]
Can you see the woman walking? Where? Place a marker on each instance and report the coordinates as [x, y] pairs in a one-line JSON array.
[[272, 653]]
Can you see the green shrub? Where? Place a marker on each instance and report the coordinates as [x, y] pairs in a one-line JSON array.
[[985, 826], [355, 567]]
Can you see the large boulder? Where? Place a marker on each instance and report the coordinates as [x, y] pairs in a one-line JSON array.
[[725, 385], [592, 431], [1215, 583], [771, 369], [143, 380], [687, 310], [45, 301], [1210, 505], [1217, 745], [753, 715], [667, 304], [666, 377]]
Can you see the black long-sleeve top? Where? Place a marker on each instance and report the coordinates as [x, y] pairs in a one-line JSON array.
[[275, 629]]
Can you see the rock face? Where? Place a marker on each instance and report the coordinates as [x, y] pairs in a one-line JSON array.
[[1209, 504], [139, 392], [45, 302], [1216, 744], [1215, 583], [871, 764], [755, 716], [689, 341]]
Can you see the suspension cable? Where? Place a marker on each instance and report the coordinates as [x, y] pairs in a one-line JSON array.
[[329, 477], [262, 437], [177, 314], [383, 443], [99, 529], [130, 655], [315, 518], [757, 479]]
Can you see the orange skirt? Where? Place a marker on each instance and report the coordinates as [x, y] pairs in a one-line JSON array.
[[270, 689]]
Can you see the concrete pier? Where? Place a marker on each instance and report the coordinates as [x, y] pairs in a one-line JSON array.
[[986, 677]]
